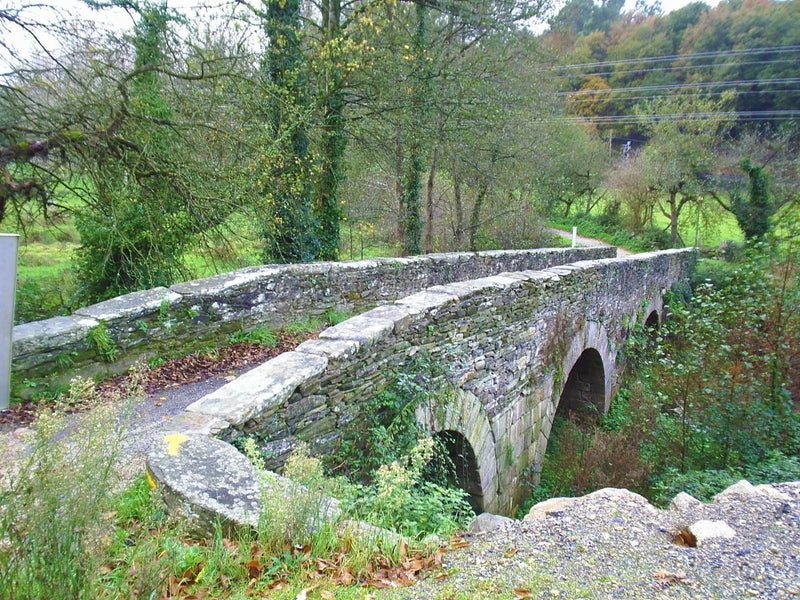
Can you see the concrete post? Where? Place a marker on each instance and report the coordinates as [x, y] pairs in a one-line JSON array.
[[8, 284], [574, 236]]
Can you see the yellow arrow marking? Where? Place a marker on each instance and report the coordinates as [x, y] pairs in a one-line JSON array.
[[174, 440], [151, 482]]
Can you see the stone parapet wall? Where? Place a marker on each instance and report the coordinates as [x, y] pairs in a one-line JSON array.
[[109, 336], [508, 342]]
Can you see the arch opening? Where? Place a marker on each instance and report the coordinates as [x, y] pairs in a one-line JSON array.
[[652, 321], [461, 466], [585, 390]]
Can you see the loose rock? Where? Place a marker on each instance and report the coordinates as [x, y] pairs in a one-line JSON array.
[[487, 522], [706, 530]]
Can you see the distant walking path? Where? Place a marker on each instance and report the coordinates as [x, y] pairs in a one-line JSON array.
[[586, 241]]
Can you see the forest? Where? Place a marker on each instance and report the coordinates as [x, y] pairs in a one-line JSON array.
[[185, 143]]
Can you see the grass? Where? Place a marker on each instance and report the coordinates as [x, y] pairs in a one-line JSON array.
[[712, 232], [47, 284]]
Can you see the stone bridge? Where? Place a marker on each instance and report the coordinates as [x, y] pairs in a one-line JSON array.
[[517, 346], [108, 337]]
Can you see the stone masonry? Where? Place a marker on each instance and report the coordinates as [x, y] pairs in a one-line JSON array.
[[190, 315], [509, 342]]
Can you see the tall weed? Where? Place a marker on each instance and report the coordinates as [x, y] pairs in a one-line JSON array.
[[53, 510]]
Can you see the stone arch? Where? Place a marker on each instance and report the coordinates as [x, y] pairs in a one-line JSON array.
[[653, 313], [464, 415], [652, 321], [591, 336]]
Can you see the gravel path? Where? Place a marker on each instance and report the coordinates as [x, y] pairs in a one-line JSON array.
[[614, 544], [586, 241], [149, 418]]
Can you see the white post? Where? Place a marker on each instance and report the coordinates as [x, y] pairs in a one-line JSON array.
[[8, 283], [574, 236]]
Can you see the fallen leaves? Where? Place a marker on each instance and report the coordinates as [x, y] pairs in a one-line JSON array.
[[521, 592], [267, 572], [176, 372], [684, 537]]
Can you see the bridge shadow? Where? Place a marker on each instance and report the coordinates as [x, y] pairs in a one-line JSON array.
[[584, 394], [461, 466], [652, 321]]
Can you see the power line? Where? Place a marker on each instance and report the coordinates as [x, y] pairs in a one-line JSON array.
[[681, 67], [673, 57], [703, 94], [747, 115], [683, 86]]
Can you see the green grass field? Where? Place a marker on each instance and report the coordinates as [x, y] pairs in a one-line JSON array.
[[48, 285]]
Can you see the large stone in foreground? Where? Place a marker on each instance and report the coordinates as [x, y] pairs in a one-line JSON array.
[[203, 479], [706, 530], [485, 522]]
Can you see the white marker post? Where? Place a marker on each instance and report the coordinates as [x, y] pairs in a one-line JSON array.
[[8, 284], [574, 236]]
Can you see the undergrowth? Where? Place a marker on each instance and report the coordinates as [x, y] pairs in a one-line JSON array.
[[708, 399], [55, 500]]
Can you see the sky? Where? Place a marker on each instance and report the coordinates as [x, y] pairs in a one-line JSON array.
[[119, 20]]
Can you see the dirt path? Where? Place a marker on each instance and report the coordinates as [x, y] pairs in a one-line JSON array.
[[586, 241], [171, 388]]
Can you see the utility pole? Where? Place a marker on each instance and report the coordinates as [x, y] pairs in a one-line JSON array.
[[8, 283]]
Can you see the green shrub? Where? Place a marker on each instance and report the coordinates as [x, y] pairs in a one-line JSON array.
[[105, 346], [262, 335], [703, 485], [401, 499], [53, 512], [38, 300]]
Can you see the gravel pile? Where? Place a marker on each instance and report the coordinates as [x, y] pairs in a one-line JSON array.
[[614, 544]]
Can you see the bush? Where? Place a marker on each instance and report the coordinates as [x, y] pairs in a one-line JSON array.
[[53, 525], [703, 485], [38, 300], [402, 500]]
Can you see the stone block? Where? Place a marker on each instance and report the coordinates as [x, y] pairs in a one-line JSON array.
[[188, 422], [332, 349], [226, 282], [130, 306], [260, 389], [49, 334], [369, 327]]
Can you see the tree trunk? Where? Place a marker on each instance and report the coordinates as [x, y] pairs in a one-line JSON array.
[[334, 143], [673, 217], [291, 236], [458, 234], [474, 221], [412, 242], [398, 185], [429, 202]]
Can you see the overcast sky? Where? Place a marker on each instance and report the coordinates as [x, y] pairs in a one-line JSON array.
[[118, 19]]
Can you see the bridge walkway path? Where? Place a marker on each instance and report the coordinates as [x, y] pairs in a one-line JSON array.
[[586, 241]]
